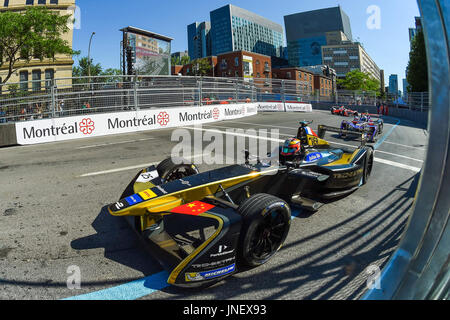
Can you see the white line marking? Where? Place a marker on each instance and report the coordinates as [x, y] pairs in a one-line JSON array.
[[142, 166], [398, 165], [404, 145], [113, 143]]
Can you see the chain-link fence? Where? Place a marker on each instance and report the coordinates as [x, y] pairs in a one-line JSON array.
[[76, 96]]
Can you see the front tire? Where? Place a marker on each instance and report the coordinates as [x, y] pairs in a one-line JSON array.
[[169, 171], [266, 223]]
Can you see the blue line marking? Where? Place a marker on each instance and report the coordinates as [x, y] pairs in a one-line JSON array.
[[129, 291], [380, 142]]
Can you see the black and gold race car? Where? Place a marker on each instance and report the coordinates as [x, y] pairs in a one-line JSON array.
[[203, 227]]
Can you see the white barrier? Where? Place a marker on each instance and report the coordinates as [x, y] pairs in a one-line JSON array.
[[93, 125], [284, 107]]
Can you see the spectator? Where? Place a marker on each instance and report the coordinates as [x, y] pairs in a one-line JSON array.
[[60, 107], [2, 116]]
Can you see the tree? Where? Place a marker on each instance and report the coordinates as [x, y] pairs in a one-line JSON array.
[[417, 67], [82, 70], [200, 67], [35, 33], [175, 61], [185, 60], [357, 80]]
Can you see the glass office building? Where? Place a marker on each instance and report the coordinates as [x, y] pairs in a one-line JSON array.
[[199, 40], [234, 29], [306, 33], [393, 84]]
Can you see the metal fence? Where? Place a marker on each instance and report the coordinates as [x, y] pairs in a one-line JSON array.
[[76, 96], [418, 101]]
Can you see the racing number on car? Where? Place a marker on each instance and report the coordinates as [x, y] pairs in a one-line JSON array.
[[314, 141]]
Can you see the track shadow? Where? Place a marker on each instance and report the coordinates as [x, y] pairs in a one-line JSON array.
[[120, 243]]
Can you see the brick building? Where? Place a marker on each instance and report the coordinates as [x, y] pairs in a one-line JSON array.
[[323, 86], [304, 78], [237, 64]]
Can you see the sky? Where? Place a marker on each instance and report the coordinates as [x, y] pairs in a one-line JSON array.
[[387, 44]]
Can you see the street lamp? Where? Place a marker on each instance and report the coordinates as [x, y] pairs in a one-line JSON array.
[[89, 56]]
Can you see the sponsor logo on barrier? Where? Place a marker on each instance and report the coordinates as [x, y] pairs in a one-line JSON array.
[[198, 116], [60, 129], [234, 112], [216, 113], [87, 126], [163, 118], [130, 123]]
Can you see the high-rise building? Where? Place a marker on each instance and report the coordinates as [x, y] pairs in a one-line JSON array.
[[235, 29], [393, 84], [47, 69], [199, 40], [306, 33], [405, 87], [344, 56], [413, 31]]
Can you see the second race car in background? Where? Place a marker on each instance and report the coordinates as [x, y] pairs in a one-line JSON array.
[[363, 123], [342, 111]]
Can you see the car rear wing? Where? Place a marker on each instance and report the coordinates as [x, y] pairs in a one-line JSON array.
[[322, 129]]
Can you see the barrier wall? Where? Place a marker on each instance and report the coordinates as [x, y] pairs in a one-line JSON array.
[[277, 106], [7, 134], [93, 125]]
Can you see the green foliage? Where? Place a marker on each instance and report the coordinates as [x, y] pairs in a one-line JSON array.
[[82, 70], [183, 61], [200, 67], [362, 81], [33, 34], [417, 67]]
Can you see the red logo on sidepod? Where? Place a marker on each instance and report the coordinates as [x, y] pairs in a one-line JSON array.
[[87, 126], [163, 118]]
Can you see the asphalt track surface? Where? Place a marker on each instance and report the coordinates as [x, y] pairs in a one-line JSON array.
[[52, 216]]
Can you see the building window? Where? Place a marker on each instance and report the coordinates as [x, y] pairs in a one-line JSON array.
[[49, 76], [53, 1], [36, 75], [236, 62], [42, 2], [23, 80], [29, 2], [288, 75], [6, 3]]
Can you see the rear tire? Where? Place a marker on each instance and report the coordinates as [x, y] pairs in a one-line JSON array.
[[266, 223], [169, 171]]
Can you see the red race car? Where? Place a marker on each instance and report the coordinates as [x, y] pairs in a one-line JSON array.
[[342, 111]]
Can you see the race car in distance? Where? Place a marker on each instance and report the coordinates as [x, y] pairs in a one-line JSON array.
[[203, 227], [342, 111], [363, 123]]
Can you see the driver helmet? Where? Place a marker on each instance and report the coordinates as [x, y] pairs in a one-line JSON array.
[[291, 147]]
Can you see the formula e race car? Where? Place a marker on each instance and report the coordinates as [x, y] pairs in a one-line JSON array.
[[342, 111], [203, 227], [363, 123]]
